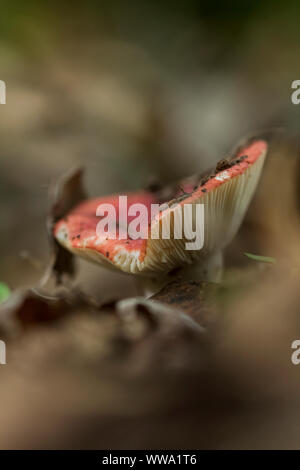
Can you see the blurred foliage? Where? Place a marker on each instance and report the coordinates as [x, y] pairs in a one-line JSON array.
[[261, 259], [4, 292], [152, 22]]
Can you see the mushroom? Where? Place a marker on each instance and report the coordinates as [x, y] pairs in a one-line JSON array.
[[224, 195]]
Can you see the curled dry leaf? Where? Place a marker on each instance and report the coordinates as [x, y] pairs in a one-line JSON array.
[[29, 307], [64, 194], [25, 307], [161, 315], [160, 337]]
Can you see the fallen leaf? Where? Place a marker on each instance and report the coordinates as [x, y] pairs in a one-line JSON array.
[[64, 194]]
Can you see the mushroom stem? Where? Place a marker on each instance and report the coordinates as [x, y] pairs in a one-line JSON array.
[[149, 286], [210, 269]]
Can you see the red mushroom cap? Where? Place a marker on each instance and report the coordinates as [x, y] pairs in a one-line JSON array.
[[226, 195]]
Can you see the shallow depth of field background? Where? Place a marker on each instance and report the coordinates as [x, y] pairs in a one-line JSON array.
[[134, 91]]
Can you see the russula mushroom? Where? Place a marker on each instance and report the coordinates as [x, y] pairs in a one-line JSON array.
[[225, 194]]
